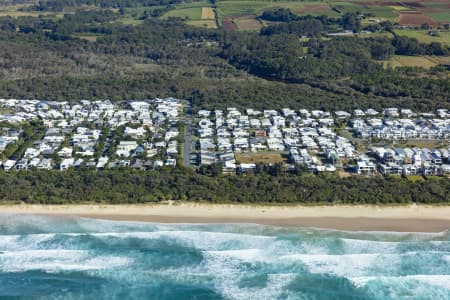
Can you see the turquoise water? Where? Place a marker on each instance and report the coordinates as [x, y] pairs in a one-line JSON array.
[[75, 258]]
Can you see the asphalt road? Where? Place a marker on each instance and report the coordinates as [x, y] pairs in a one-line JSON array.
[[187, 147]]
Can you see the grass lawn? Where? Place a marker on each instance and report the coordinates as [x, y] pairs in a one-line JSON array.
[[422, 36], [263, 157]]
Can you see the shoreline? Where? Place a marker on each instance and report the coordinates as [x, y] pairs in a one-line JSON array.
[[412, 218]]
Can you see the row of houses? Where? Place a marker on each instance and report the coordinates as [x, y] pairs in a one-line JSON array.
[[388, 129], [75, 133], [411, 161], [301, 135], [80, 163], [309, 138]]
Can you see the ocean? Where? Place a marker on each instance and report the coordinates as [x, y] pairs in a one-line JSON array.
[[77, 258]]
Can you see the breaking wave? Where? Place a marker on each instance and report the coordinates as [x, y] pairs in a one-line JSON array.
[[75, 258]]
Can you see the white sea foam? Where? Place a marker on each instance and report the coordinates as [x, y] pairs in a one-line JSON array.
[[243, 254], [274, 288], [203, 240], [353, 246], [436, 280], [57, 260], [226, 270], [348, 265], [21, 242]]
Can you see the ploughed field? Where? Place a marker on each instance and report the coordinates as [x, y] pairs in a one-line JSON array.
[[243, 15]]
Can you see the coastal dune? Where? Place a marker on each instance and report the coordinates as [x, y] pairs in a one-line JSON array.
[[413, 218]]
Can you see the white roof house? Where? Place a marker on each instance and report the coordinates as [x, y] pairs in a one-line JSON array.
[[66, 164], [9, 164]]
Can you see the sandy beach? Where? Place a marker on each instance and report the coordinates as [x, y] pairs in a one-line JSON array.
[[358, 218]]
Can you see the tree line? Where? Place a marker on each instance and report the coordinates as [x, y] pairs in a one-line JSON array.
[[212, 68], [128, 186]]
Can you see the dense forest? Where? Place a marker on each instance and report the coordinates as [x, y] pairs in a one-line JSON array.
[[127, 186], [108, 59]]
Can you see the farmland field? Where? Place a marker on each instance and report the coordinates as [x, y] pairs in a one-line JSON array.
[[239, 8], [305, 8], [203, 23], [424, 37], [248, 24], [416, 61], [208, 13], [415, 18], [192, 13], [380, 11], [441, 16], [232, 14]]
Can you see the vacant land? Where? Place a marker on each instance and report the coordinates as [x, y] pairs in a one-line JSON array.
[[430, 144], [261, 157]]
